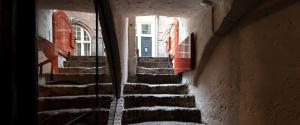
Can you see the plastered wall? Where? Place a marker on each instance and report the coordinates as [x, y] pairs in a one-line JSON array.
[[252, 76]]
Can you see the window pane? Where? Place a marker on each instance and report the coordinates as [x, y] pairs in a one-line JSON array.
[[146, 29], [86, 36], [78, 36], [78, 49], [87, 49]]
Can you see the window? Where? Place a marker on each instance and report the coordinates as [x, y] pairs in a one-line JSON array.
[[83, 41], [86, 36], [146, 28]]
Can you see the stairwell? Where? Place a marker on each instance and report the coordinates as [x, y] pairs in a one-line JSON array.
[[71, 93], [156, 96]]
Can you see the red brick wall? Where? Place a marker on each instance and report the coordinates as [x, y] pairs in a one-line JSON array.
[[63, 37]]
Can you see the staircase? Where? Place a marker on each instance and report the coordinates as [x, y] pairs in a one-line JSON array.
[[156, 96], [71, 93]]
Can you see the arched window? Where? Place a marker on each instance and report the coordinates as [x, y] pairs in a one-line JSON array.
[[83, 41]]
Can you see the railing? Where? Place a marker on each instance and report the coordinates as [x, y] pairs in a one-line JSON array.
[[46, 62]]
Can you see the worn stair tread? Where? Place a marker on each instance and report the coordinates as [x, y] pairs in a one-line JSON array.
[[166, 123], [78, 78], [161, 113], [82, 110], [83, 63], [71, 90], [154, 64], [150, 74], [147, 100], [63, 116], [154, 68], [72, 85], [155, 78], [157, 95], [79, 67], [73, 58], [154, 59], [68, 82], [141, 69], [161, 108], [156, 85], [70, 102], [74, 96], [74, 73], [144, 88]]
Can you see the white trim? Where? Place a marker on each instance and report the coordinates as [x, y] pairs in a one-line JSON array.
[[82, 41], [152, 35]]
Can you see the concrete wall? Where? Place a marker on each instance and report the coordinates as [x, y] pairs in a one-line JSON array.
[[121, 25], [45, 24], [252, 76], [132, 47], [200, 23], [269, 69]]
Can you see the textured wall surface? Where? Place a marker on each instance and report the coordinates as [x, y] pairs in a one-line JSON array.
[[270, 69], [45, 24], [217, 100], [252, 76]]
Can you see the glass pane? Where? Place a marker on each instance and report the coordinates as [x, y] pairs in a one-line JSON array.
[[146, 29], [86, 36], [78, 49], [87, 49], [78, 36]]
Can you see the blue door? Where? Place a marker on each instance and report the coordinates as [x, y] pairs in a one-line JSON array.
[[146, 46]]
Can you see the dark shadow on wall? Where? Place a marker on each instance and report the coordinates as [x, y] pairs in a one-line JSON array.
[[241, 12], [18, 61]]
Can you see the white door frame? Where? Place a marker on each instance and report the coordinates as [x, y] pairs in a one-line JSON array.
[[140, 35]]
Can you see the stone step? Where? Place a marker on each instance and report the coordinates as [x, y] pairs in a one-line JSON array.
[[101, 70], [61, 117], [153, 59], [155, 78], [154, 64], [70, 90], [155, 70], [142, 88], [167, 123], [78, 78], [146, 114], [87, 58], [83, 63], [73, 102], [148, 100]]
